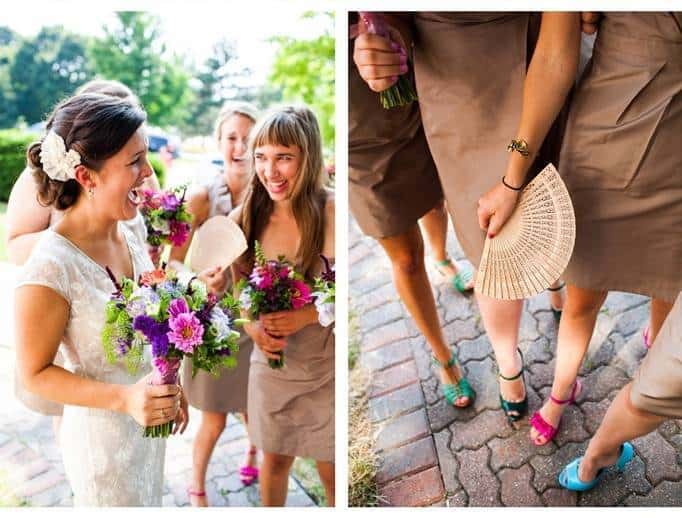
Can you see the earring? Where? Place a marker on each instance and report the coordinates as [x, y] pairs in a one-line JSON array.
[[91, 192]]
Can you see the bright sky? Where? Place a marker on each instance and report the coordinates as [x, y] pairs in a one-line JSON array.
[[190, 28]]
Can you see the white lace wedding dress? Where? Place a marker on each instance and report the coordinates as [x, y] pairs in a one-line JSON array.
[[107, 461]]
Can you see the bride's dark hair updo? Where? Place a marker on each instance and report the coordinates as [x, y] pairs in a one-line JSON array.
[[97, 127]]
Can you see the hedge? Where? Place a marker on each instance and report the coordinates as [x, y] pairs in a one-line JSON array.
[[13, 146], [158, 167]]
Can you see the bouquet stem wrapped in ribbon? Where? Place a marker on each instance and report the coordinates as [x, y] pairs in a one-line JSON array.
[[173, 320], [402, 92], [272, 286]]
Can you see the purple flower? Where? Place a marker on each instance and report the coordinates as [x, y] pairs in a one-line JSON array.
[[155, 332], [170, 202], [261, 277], [178, 306], [186, 332]]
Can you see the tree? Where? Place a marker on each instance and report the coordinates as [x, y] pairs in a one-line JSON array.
[[46, 69], [8, 113], [133, 52], [304, 69]]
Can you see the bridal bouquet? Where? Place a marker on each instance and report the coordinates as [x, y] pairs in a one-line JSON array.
[[272, 286], [402, 92], [174, 320], [325, 294], [166, 217]]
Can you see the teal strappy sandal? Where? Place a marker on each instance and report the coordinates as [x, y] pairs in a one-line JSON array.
[[461, 279], [514, 410], [454, 391]]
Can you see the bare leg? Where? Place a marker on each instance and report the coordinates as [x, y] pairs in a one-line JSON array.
[[501, 319], [212, 425], [557, 297], [435, 226], [622, 422], [326, 472], [659, 312], [406, 253], [575, 332], [274, 479], [251, 454]]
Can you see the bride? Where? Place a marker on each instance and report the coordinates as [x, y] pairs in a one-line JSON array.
[[90, 164]]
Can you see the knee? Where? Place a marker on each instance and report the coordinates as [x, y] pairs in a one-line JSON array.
[[582, 307], [213, 424], [278, 464], [409, 261]]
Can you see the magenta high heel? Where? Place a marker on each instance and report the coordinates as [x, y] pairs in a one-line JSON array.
[[545, 429]]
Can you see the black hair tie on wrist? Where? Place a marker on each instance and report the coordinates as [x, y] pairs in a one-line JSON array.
[[504, 182]]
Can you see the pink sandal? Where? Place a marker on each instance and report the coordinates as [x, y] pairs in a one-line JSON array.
[[545, 429], [646, 334], [191, 492], [249, 474]]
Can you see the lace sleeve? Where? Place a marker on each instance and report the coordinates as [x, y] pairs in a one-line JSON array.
[[43, 269]]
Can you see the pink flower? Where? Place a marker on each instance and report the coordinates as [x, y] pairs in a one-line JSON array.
[[179, 232], [300, 294], [186, 332], [178, 306], [262, 277], [284, 272], [151, 199]]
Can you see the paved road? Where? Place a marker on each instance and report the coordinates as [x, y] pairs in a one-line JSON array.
[[432, 454]]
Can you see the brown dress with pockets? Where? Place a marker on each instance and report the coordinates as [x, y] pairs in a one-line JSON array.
[[622, 158]]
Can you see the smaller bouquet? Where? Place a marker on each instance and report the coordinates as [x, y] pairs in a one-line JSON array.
[[272, 286], [325, 294], [166, 217], [402, 92], [175, 321]]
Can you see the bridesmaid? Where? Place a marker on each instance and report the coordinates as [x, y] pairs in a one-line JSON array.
[[389, 161], [495, 94], [622, 165], [216, 397], [288, 210]]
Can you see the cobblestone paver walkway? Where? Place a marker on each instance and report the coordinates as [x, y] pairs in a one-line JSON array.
[[433, 454], [31, 471]]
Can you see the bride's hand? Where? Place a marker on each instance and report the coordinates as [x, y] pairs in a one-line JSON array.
[[151, 405], [285, 323], [495, 207], [215, 279], [182, 417], [266, 343]]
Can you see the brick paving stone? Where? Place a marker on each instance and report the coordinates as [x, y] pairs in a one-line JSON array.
[[381, 316], [239, 499], [529, 327], [515, 451], [676, 441], [406, 460], [483, 378], [448, 462], [547, 328], [430, 388], [541, 374], [536, 351], [594, 414], [614, 486], [548, 467], [443, 414], [386, 356], [459, 499], [619, 302], [375, 299], [393, 378], [461, 330], [668, 429], [358, 252], [369, 283], [479, 430], [560, 498], [601, 382], [631, 321], [476, 349], [401, 430], [38, 484], [457, 306], [10, 448], [58, 494], [571, 428], [660, 457], [665, 494], [516, 488], [385, 335], [421, 489], [229, 483], [477, 479], [398, 402]]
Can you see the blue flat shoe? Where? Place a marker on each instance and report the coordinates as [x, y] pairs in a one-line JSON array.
[[569, 479]]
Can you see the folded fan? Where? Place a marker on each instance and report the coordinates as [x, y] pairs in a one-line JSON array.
[[218, 242], [535, 244]]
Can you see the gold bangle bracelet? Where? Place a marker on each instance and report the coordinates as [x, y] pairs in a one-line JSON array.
[[519, 145]]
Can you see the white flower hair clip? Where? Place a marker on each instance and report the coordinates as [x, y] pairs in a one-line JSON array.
[[58, 163]]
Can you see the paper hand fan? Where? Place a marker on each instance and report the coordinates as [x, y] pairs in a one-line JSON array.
[[534, 246], [218, 242]]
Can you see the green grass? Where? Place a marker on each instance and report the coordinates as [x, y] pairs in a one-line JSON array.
[[3, 232]]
